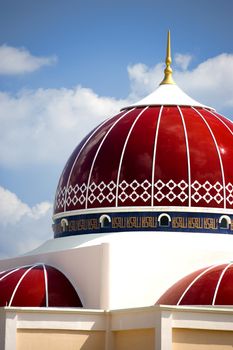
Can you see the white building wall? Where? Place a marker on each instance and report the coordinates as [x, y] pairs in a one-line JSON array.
[[124, 270]]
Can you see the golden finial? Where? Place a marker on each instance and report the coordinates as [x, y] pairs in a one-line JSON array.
[[168, 71]]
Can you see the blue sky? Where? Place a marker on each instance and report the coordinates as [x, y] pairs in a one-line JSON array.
[[96, 40], [67, 65]]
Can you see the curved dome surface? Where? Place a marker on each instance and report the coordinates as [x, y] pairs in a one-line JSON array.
[[37, 285], [151, 157], [208, 286]]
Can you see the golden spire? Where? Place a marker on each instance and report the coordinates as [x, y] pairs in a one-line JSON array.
[[168, 71]]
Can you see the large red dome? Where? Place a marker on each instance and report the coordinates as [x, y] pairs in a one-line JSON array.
[[152, 157], [166, 153]]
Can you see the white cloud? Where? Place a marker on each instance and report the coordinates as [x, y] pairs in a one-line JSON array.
[[210, 82], [15, 61], [182, 60], [11, 208], [22, 228], [143, 79], [43, 126]]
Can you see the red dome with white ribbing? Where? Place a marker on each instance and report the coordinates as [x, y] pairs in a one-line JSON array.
[[152, 155], [208, 286], [165, 152], [37, 285]]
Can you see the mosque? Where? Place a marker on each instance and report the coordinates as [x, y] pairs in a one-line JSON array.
[[143, 237]]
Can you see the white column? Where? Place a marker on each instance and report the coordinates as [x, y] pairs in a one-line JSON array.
[[109, 337], [10, 330], [105, 282], [2, 327], [163, 331]]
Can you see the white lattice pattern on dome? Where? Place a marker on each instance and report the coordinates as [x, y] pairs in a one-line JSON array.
[[175, 190], [132, 191], [217, 187], [101, 192]]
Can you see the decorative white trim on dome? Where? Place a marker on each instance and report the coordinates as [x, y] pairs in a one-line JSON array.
[[97, 152], [219, 281], [123, 152], [134, 190], [19, 282], [201, 274], [154, 155], [175, 209], [168, 95], [216, 116], [46, 286], [218, 152], [194, 281], [8, 273], [188, 156], [77, 156]]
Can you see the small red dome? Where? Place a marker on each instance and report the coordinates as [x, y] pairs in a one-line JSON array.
[[209, 286], [37, 285], [148, 157]]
